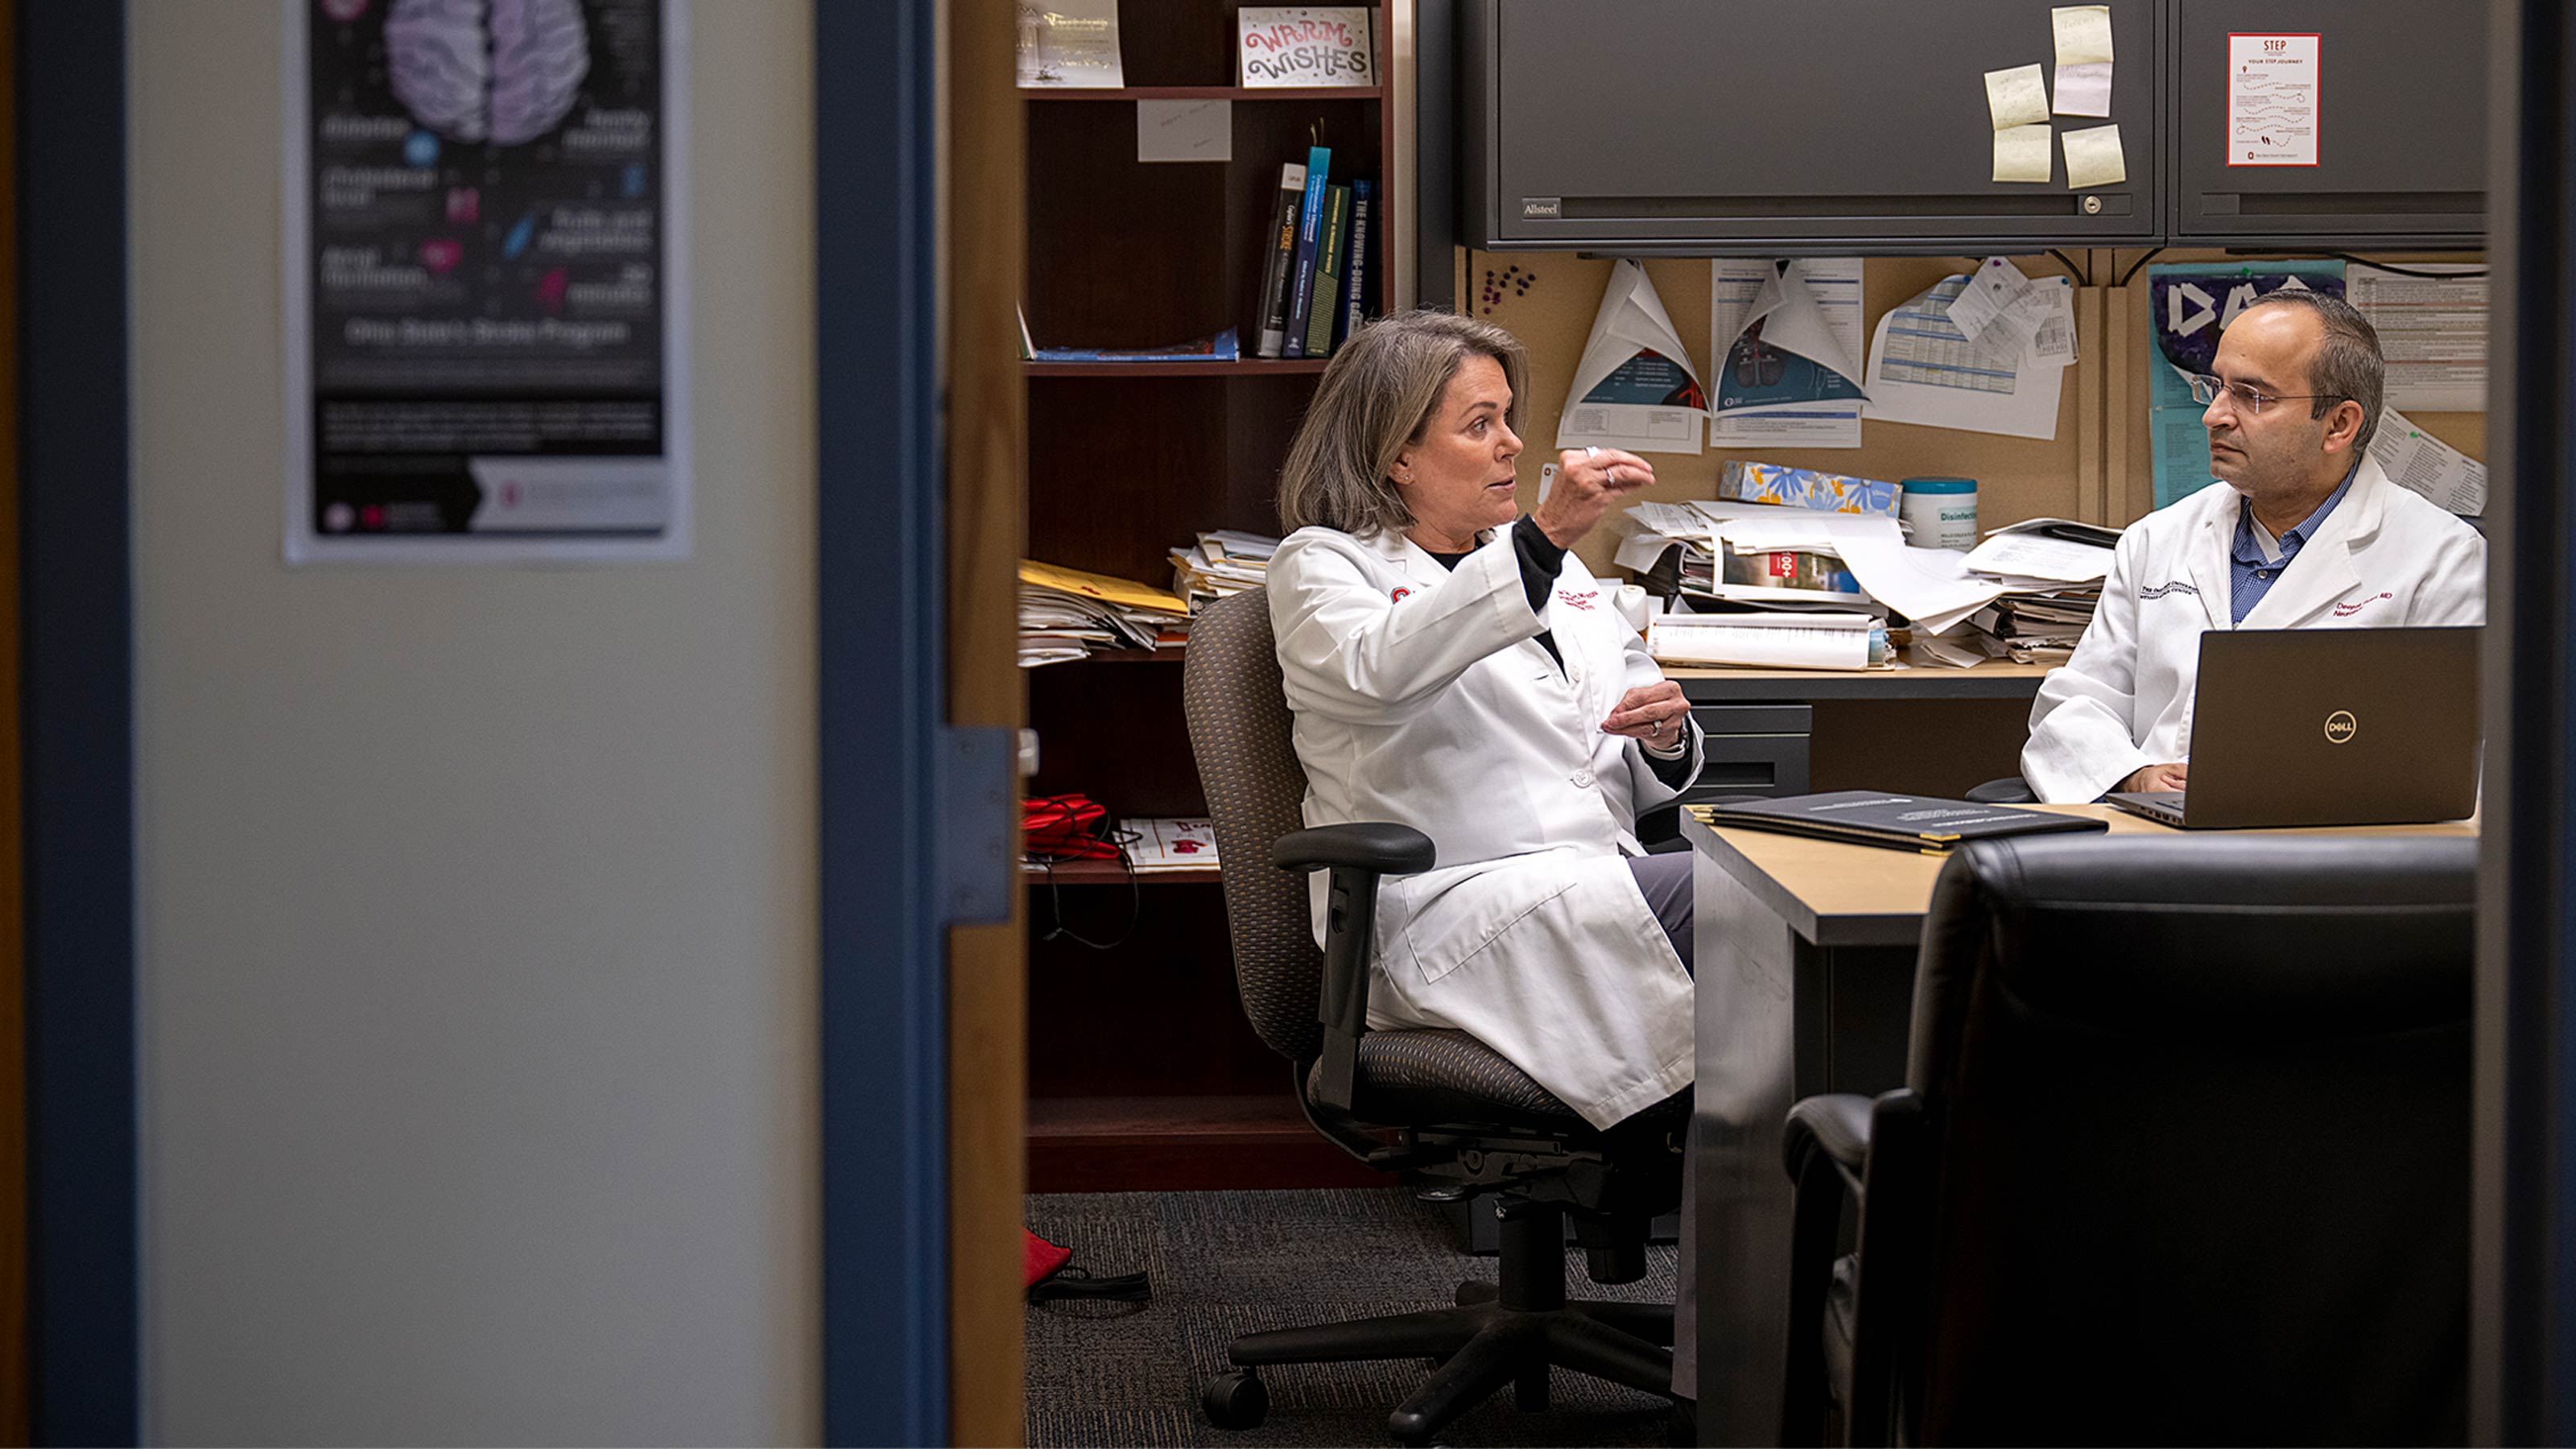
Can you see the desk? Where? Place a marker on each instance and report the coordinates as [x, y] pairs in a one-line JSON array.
[[1790, 731], [1805, 951]]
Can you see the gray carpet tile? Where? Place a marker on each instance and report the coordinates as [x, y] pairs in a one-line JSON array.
[[1225, 1263]]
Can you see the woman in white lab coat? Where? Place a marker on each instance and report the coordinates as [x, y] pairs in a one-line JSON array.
[[1454, 670]]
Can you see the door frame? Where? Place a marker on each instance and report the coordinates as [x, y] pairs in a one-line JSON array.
[[76, 692]]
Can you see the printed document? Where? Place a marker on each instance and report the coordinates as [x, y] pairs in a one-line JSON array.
[[1923, 369], [1788, 343], [1634, 387], [2416, 459], [2433, 330]]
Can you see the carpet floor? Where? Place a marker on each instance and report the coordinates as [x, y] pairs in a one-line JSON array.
[[1224, 1263]]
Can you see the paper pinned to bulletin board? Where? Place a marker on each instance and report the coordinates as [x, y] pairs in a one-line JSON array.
[[1788, 374], [2188, 305], [1635, 387]]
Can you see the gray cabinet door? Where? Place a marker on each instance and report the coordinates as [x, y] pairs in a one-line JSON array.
[[1710, 125], [2400, 127]]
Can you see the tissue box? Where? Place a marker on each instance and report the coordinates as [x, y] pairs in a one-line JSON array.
[[1801, 488]]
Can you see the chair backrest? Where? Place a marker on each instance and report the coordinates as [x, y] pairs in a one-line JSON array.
[[1241, 731], [2197, 1120]]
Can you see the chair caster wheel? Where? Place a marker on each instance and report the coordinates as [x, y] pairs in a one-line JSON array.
[[1236, 1400]]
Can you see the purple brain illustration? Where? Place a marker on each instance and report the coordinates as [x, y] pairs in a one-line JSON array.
[[505, 71]]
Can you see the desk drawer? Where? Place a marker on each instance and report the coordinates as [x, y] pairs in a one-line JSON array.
[[1752, 749]]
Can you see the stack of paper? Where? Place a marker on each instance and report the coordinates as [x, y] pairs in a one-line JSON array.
[[2046, 577], [1221, 563], [1066, 613], [1167, 845], [1770, 640]]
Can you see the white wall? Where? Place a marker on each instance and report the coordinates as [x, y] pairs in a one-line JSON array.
[[477, 979]]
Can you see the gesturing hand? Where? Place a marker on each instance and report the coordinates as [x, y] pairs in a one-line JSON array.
[[1652, 713], [1589, 481]]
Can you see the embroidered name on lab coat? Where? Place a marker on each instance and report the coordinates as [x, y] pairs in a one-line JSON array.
[[2176, 587], [1580, 601], [2346, 611]]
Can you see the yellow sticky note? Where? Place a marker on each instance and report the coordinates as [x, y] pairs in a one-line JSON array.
[[2016, 97], [2083, 34], [2094, 158], [2022, 154]]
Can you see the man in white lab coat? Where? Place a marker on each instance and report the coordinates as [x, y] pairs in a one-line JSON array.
[[2303, 530]]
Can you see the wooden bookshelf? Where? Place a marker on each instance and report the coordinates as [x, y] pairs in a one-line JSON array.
[[1143, 1072], [1203, 93]]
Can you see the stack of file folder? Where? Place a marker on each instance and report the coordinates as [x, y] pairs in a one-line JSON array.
[[1224, 562], [1067, 614]]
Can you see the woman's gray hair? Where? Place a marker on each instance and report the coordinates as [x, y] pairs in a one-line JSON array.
[[2348, 366], [1376, 397]]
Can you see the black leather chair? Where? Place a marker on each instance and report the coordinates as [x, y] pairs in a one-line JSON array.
[[2182, 1156], [2010, 790], [1440, 1107]]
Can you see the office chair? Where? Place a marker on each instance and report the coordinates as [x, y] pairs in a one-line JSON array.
[[2182, 1156], [2010, 790], [1438, 1106]]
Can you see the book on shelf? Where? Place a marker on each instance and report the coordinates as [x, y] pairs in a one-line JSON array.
[[1301, 270], [1328, 271], [1355, 266], [1282, 238], [1220, 348], [1885, 818]]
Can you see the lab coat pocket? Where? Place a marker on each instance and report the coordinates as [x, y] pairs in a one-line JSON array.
[[1455, 921]]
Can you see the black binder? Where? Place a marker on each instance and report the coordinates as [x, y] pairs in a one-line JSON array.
[[1885, 818]]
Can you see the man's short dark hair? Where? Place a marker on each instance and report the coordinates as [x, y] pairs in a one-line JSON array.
[[2348, 366]]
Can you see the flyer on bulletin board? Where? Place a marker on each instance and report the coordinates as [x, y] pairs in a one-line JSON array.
[[486, 281], [2189, 304]]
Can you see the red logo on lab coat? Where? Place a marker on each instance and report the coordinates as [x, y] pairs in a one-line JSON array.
[[1398, 596], [1579, 601]]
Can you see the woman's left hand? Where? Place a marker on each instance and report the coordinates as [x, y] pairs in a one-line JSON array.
[[1651, 713]]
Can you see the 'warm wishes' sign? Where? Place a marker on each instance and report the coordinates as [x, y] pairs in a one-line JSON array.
[[1305, 45]]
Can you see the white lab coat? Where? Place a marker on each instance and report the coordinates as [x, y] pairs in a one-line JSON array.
[[2385, 557], [1422, 697]]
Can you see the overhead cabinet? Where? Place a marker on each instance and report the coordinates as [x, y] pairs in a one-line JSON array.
[[1687, 126], [1699, 128], [2375, 136]]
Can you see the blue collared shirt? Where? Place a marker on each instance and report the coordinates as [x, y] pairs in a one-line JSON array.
[[2255, 570]]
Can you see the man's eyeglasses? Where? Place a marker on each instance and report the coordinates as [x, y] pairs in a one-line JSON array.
[[2249, 400]]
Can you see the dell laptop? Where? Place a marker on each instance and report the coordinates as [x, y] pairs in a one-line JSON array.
[[2297, 727]]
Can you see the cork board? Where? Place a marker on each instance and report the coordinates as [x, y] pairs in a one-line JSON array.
[[2099, 467]]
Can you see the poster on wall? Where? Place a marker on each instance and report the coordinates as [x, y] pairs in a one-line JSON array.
[[486, 280], [2188, 305]]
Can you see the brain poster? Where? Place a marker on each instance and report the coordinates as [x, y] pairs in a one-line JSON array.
[[485, 280]]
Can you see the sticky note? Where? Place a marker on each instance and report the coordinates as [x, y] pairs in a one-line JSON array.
[[2022, 153], [2083, 34], [2084, 90], [2016, 97], [1184, 130], [2094, 158]]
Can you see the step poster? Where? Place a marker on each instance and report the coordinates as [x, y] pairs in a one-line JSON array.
[[486, 280]]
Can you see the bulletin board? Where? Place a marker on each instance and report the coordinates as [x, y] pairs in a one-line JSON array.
[[2098, 468]]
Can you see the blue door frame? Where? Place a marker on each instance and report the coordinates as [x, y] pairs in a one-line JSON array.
[[882, 696], [77, 752]]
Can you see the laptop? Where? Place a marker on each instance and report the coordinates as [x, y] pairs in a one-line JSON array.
[[2300, 727]]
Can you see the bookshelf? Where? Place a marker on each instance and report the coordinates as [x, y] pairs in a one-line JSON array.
[[1143, 1073]]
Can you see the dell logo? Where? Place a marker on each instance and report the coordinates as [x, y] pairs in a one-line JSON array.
[[2341, 727]]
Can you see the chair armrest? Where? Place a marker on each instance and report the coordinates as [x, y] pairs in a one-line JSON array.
[[1370, 845], [1357, 854], [2010, 790], [1836, 1125]]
